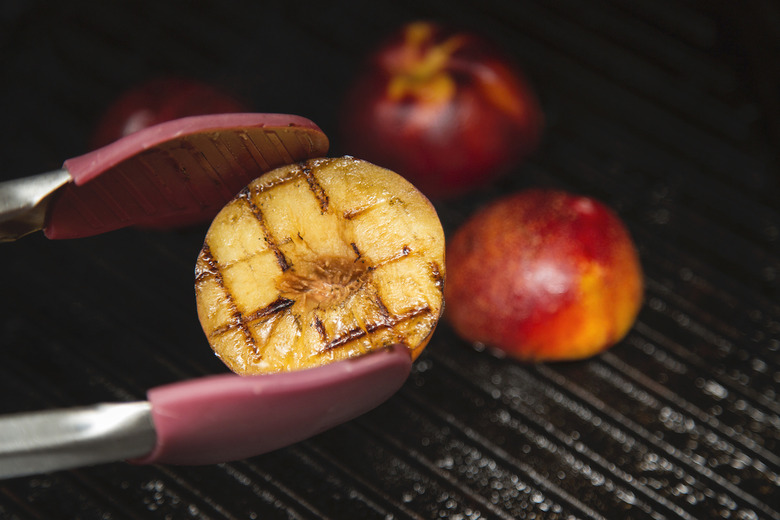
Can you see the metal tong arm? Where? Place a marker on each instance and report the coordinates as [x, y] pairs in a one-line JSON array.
[[35, 442], [24, 202]]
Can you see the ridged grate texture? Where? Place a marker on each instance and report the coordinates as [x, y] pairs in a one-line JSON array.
[[667, 110]]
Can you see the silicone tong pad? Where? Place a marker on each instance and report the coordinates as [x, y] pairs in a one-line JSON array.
[[229, 417], [178, 172]]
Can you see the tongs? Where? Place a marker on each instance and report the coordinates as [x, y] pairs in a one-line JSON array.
[[208, 420], [181, 172], [175, 173]]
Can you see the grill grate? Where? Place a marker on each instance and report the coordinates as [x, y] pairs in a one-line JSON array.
[[666, 110]]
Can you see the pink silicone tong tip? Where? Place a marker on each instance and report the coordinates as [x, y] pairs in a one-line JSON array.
[[177, 173], [228, 417]]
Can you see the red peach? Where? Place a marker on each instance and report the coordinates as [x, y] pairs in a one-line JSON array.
[[443, 107], [543, 275]]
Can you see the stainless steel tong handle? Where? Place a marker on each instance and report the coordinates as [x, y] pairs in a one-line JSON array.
[[36, 442], [23, 203]]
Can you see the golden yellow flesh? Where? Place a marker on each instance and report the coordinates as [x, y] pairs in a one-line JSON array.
[[320, 261]]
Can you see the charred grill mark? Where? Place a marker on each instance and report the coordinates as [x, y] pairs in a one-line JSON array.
[[340, 341], [383, 312], [237, 319], [269, 185], [356, 250], [270, 310], [294, 175], [405, 251], [240, 322], [258, 213], [388, 321], [411, 314], [320, 328], [202, 274], [315, 187], [274, 307], [212, 267]]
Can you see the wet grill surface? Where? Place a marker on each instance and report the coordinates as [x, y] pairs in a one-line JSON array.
[[666, 110]]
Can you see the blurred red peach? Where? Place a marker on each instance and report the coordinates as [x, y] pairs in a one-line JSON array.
[[443, 107], [543, 275]]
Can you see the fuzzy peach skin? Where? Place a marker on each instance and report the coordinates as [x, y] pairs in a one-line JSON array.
[[544, 276]]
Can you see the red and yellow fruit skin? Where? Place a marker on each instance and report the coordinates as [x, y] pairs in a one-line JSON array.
[[543, 275], [442, 107]]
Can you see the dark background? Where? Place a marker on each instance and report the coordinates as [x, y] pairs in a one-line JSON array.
[[668, 111]]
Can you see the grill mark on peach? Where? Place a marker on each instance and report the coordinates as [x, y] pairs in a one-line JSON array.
[[207, 266], [267, 186], [405, 251], [387, 323], [208, 259], [236, 317], [213, 269], [272, 309], [315, 187], [246, 195], [281, 181], [202, 275], [340, 341], [358, 254], [384, 312], [320, 328], [387, 318]]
